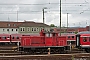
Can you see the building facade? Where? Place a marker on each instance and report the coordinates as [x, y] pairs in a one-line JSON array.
[[29, 27], [26, 27]]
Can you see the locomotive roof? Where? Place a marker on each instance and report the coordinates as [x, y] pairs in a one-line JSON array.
[[84, 32]]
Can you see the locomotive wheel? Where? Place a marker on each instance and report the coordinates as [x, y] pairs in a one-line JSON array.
[[87, 50]]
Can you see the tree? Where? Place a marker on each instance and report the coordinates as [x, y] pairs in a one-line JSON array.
[[52, 25], [76, 32]]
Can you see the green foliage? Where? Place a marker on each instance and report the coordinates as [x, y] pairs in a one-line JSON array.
[[52, 25], [76, 32]]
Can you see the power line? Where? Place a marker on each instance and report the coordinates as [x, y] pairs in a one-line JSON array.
[[41, 4], [41, 11], [68, 4]]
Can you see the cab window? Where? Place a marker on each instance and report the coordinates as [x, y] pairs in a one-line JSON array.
[[68, 36], [72, 36], [84, 39]]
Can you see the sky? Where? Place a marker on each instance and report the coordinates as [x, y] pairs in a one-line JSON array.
[[31, 10]]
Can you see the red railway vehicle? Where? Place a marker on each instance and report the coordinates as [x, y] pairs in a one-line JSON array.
[[4, 39], [15, 38], [42, 43], [83, 41], [71, 39]]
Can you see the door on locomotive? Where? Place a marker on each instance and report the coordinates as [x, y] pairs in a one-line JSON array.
[[83, 41], [4, 39]]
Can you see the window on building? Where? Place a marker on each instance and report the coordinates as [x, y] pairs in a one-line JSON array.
[[32, 29], [27, 29], [40, 29], [8, 24], [14, 24], [16, 29], [12, 29], [37, 29], [7, 29], [3, 29], [21, 29]]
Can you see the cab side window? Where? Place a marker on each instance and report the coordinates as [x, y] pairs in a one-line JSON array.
[[68, 36], [84, 39], [72, 36]]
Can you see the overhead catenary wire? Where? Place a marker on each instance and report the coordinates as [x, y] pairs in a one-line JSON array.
[[66, 5], [50, 11], [39, 4]]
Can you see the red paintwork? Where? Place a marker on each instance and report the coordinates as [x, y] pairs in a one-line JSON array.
[[87, 37], [4, 38], [62, 41], [48, 41], [43, 41], [70, 37], [41, 32], [14, 37]]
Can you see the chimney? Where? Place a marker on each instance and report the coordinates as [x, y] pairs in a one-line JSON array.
[[24, 20]]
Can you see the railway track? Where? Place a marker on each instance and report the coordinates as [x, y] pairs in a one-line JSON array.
[[11, 53], [5, 50], [75, 50], [79, 56]]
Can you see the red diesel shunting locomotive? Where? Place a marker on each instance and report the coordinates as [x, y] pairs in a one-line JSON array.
[[41, 44], [83, 40]]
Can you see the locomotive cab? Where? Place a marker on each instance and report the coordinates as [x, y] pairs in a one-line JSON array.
[[48, 33]]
